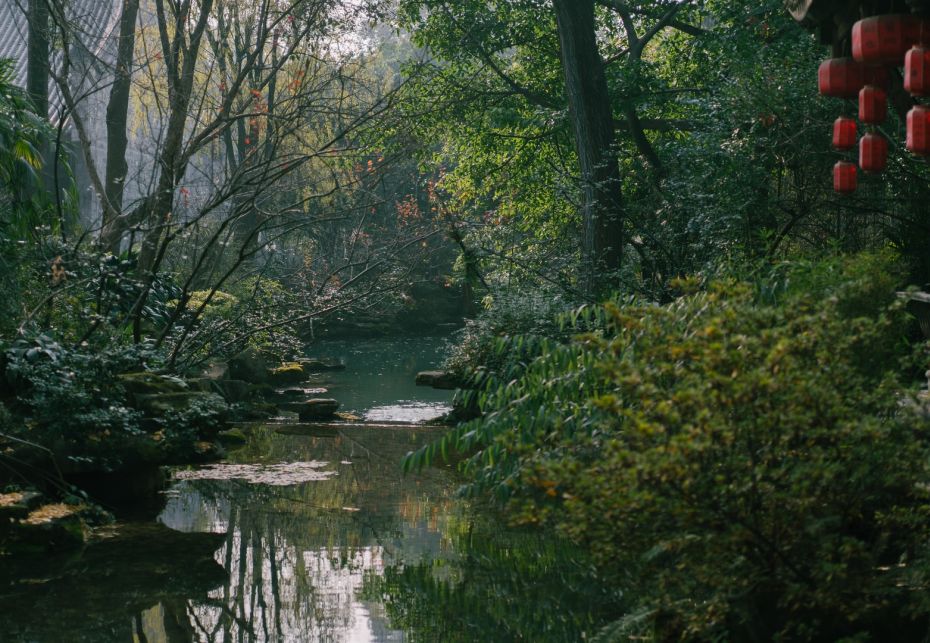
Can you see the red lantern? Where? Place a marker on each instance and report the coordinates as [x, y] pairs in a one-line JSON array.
[[917, 71], [845, 178], [873, 153], [885, 39], [873, 104], [918, 130], [840, 77], [844, 133]]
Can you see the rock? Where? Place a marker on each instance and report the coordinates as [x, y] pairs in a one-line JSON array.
[[232, 438], [315, 365], [250, 366], [437, 379], [162, 403], [297, 393], [232, 391], [318, 409], [51, 526], [216, 371], [148, 383], [287, 373], [17, 504], [235, 390], [254, 411]]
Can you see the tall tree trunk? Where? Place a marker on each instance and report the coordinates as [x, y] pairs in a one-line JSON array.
[[37, 57], [117, 115], [592, 122], [37, 77]]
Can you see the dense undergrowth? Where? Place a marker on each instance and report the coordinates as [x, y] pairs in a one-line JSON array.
[[745, 462]]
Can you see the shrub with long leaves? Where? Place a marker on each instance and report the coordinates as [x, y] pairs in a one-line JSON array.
[[745, 461]]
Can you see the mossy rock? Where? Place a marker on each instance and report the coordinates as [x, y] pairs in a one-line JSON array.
[[148, 383], [15, 506], [232, 438], [49, 527], [287, 373], [253, 411], [315, 365], [162, 403], [232, 391], [444, 380], [249, 365], [318, 409]]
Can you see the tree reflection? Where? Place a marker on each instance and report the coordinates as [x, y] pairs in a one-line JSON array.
[[366, 554], [499, 586], [297, 555]]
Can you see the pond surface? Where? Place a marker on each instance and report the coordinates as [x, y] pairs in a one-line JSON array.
[[311, 533], [378, 381]]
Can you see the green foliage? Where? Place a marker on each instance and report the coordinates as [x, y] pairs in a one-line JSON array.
[[72, 402], [254, 314], [69, 400], [744, 465], [22, 134], [509, 312]]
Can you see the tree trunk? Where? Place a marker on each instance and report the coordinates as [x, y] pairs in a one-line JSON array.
[[592, 122], [37, 77], [117, 115], [37, 71]]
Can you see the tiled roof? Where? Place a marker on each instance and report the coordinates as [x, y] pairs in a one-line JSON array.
[[92, 23]]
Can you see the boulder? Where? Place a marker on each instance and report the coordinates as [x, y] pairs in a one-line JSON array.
[[438, 379], [250, 366], [17, 505], [287, 373], [297, 392], [216, 371], [148, 383], [235, 390], [232, 438], [315, 365], [49, 527], [160, 403], [318, 409]]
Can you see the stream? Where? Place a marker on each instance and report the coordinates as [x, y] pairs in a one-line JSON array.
[[314, 534]]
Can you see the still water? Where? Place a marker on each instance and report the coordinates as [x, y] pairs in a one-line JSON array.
[[378, 380], [313, 534]]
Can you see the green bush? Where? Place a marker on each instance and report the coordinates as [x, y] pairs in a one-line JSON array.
[[507, 313], [253, 314], [71, 402], [745, 462]]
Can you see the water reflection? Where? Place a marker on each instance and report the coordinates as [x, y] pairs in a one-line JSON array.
[[133, 583], [298, 555], [348, 551], [363, 554], [378, 381], [311, 533]]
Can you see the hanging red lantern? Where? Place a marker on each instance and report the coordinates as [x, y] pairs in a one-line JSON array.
[[873, 153], [845, 177], [885, 39], [844, 133], [873, 105], [917, 71], [840, 77], [918, 130]]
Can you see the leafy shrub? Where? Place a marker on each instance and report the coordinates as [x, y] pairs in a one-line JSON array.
[[69, 400], [508, 313], [744, 469], [253, 314]]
